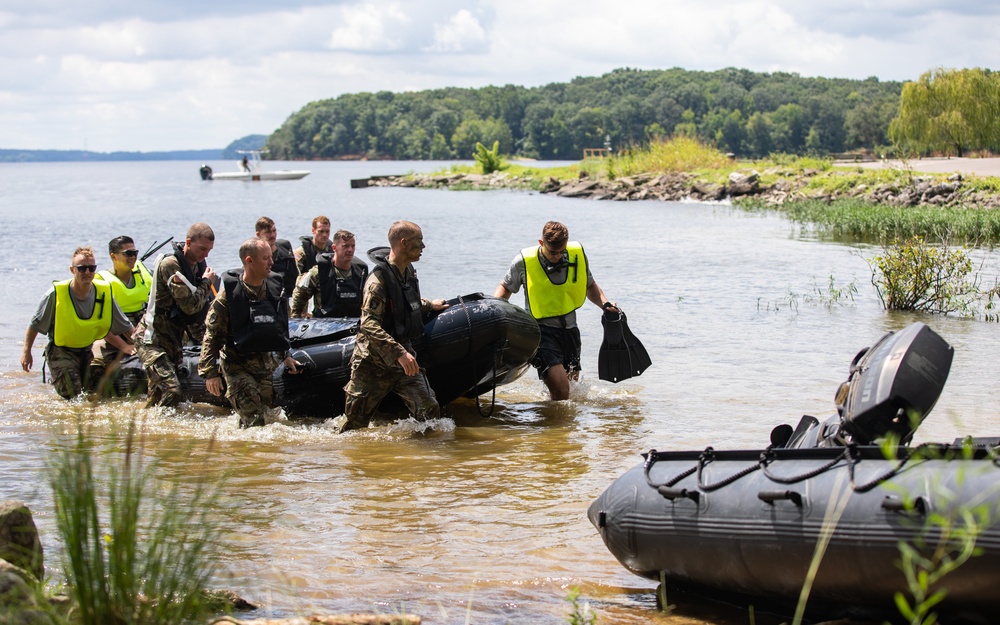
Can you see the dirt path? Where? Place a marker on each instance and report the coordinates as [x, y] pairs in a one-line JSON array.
[[977, 166]]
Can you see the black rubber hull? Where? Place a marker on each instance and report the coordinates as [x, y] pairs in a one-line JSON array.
[[755, 537], [477, 342]]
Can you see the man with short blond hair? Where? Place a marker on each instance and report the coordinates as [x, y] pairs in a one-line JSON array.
[[248, 326], [74, 313], [313, 246]]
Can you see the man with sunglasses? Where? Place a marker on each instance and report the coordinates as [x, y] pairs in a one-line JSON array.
[[73, 314], [557, 280], [130, 282]]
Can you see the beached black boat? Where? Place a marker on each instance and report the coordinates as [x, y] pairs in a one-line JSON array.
[[476, 344], [745, 525]]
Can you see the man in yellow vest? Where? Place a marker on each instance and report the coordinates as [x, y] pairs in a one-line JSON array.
[[557, 280], [74, 313], [130, 282]]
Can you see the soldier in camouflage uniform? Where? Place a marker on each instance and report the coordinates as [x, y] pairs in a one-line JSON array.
[[75, 313], [391, 317], [181, 293], [248, 324], [312, 246], [336, 292]]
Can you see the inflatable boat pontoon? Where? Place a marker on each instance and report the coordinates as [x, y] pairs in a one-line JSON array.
[[746, 525]]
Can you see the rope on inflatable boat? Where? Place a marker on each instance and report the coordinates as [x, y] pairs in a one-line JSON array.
[[850, 455]]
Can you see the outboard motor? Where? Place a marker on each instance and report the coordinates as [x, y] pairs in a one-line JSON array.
[[890, 389], [206, 172]]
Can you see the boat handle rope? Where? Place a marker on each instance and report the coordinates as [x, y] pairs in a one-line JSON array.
[[707, 457], [864, 488], [651, 460], [767, 456]]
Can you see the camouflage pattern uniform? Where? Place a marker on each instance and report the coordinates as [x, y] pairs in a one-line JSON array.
[[249, 386], [70, 369], [159, 341], [304, 262], [307, 291], [374, 367], [105, 355]]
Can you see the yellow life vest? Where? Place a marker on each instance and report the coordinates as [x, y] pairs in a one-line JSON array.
[[130, 300], [546, 299], [68, 329]]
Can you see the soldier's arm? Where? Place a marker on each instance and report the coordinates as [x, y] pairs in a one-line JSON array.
[[374, 308], [305, 289], [216, 328]]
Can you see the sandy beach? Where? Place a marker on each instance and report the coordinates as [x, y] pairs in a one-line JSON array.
[[975, 166]]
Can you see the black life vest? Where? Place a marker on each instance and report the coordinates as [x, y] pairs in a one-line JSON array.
[[310, 255], [407, 320], [340, 297], [284, 266], [256, 325], [194, 276]]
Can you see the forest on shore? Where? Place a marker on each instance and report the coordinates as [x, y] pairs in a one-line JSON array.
[[748, 114]]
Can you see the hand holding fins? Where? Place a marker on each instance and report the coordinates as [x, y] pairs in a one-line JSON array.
[[621, 356]]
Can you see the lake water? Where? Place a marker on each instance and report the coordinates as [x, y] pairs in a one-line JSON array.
[[480, 520]]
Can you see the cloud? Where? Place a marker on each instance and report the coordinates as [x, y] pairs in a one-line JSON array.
[[180, 74], [462, 33]]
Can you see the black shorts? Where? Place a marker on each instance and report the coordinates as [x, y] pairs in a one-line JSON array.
[[558, 346]]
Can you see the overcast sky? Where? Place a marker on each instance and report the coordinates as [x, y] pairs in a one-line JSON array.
[[151, 75]]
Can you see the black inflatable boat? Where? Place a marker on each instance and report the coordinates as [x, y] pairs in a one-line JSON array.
[[474, 345], [745, 525]]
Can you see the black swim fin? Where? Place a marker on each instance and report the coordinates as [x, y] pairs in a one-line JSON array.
[[621, 356]]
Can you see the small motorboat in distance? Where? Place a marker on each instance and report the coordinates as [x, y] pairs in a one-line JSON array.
[[848, 493], [251, 170]]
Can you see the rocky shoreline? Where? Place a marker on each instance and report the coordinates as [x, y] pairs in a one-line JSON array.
[[925, 190]]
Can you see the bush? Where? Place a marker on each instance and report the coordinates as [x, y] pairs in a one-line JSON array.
[[913, 275], [489, 160]]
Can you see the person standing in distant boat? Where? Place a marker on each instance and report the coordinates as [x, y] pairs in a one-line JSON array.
[[281, 253], [557, 280], [392, 315], [313, 246], [74, 313], [335, 285], [179, 298], [245, 164], [248, 325]]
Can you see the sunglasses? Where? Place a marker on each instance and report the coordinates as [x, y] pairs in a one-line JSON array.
[[90, 268], [130, 253]]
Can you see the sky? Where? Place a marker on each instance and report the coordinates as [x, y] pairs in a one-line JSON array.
[[152, 75]]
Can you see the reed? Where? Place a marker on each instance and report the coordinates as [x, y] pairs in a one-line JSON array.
[[137, 549]]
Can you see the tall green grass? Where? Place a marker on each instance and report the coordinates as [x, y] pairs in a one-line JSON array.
[[137, 548], [879, 223]]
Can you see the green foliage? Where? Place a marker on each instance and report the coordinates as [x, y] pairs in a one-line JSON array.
[[913, 275], [137, 550], [580, 613], [949, 111], [947, 538], [733, 110], [489, 160]]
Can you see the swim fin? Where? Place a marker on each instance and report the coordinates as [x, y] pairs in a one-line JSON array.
[[621, 356]]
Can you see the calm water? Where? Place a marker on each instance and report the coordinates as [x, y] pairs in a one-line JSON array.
[[480, 520]]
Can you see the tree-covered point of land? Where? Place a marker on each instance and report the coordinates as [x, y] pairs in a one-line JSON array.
[[747, 113]]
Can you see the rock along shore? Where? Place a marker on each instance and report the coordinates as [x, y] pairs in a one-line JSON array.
[[791, 186]]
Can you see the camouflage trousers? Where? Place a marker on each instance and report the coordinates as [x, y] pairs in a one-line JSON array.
[[250, 391], [163, 386], [370, 384], [104, 357], [70, 368]]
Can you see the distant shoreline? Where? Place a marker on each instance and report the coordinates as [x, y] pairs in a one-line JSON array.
[[76, 156]]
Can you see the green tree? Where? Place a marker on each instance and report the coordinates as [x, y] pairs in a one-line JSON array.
[[949, 110]]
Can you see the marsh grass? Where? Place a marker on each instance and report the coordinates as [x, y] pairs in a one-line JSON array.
[[137, 549]]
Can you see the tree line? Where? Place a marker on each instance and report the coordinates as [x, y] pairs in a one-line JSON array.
[[747, 113]]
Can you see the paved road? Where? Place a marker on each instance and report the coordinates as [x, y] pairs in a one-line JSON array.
[[977, 166]]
